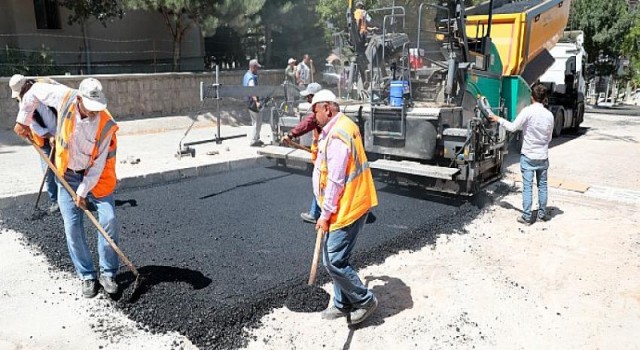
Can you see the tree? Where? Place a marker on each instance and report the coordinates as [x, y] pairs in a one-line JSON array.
[[208, 15], [273, 18], [604, 23], [631, 49], [82, 11]]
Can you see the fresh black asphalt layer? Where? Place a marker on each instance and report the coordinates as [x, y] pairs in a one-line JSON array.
[[217, 253]]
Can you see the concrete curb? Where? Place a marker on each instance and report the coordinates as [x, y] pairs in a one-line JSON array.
[[162, 177]]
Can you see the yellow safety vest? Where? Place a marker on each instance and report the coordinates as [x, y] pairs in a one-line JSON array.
[[359, 193]]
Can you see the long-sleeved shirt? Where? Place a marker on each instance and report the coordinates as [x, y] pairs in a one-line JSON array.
[[337, 154], [48, 118], [307, 124], [83, 137], [536, 123]]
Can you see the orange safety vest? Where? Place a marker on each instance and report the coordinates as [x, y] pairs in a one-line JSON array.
[[106, 127], [359, 193], [37, 139], [360, 16], [314, 145]]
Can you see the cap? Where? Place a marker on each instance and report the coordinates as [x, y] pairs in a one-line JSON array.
[[359, 3], [93, 98], [291, 60], [254, 63], [323, 96], [16, 83], [311, 89]]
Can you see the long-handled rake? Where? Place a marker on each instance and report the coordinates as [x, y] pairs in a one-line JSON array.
[[139, 280]]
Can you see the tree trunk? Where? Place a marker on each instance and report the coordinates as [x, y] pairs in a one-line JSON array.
[[267, 39], [177, 44]]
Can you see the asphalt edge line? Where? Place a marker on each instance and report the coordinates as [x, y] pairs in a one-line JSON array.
[[162, 177]]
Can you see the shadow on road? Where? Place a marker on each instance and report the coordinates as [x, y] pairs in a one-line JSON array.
[[394, 296], [153, 275], [552, 211]]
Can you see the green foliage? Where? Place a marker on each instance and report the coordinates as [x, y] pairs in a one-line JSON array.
[[208, 15], [631, 49], [37, 63], [604, 23], [82, 10]]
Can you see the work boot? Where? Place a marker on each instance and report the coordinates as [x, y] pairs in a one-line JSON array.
[[54, 208], [521, 220], [89, 288], [359, 315], [306, 217], [333, 312], [257, 144], [543, 218], [109, 284]]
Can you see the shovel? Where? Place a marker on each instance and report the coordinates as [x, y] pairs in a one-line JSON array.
[[316, 257], [44, 178], [72, 193]]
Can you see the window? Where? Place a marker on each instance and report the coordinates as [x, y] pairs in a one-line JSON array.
[[47, 15]]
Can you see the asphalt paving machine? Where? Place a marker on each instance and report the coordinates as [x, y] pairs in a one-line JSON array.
[[432, 75]]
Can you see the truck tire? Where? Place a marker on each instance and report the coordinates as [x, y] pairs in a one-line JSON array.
[[558, 123], [579, 118]]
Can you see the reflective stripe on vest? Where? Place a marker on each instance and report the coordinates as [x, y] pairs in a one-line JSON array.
[[359, 193], [107, 129]]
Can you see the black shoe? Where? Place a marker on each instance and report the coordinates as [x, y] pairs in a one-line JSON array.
[[523, 221], [257, 144], [359, 315], [544, 218], [89, 288], [109, 284], [306, 217]]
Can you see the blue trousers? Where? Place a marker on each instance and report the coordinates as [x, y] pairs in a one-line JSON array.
[[73, 218], [50, 181], [315, 210], [349, 291], [529, 167]]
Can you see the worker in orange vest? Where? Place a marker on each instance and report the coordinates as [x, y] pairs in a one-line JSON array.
[[86, 156], [43, 132], [344, 188]]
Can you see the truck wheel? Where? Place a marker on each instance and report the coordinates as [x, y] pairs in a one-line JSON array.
[[558, 123], [575, 126]]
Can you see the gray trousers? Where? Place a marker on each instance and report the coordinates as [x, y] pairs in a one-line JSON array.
[[256, 125]]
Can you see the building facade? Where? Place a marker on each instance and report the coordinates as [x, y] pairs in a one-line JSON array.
[[140, 42]]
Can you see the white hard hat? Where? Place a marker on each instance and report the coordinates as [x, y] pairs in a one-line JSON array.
[[291, 60], [16, 83], [324, 96], [311, 89], [92, 95]]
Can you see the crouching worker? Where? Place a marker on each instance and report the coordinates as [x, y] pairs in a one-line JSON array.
[[344, 188], [43, 132], [86, 156]]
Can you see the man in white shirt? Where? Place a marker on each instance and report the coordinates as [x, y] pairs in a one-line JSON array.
[[85, 154], [303, 73], [43, 127], [536, 123]]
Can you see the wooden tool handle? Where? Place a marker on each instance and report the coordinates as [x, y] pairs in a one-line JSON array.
[[87, 212], [316, 257], [299, 146]]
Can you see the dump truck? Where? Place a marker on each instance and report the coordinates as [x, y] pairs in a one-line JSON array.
[[565, 80], [433, 75]]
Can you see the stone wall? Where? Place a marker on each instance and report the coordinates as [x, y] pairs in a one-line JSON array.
[[134, 96]]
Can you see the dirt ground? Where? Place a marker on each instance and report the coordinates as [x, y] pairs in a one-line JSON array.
[[570, 283]]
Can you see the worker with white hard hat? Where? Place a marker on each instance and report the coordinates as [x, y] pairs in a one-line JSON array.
[[86, 157], [344, 188], [290, 72]]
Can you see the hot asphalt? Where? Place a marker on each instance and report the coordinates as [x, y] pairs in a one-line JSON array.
[[219, 252]]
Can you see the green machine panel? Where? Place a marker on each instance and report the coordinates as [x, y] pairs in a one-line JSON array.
[[516, 94]]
